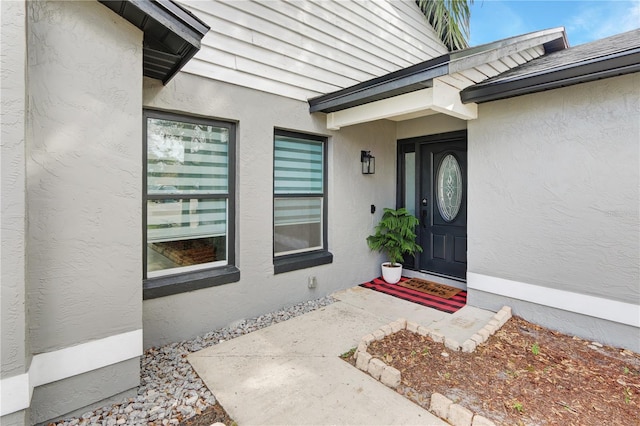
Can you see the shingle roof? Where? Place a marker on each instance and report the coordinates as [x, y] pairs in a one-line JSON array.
[[608, 57]]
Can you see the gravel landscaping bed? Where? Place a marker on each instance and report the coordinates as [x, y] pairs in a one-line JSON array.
[[170, 392]]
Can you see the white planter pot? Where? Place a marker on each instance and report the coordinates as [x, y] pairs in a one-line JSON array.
[[391, 274]]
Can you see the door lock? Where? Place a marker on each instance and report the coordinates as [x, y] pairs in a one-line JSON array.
[[423, 215]]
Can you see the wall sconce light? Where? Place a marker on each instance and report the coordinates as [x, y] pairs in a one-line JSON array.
[[368, 163]]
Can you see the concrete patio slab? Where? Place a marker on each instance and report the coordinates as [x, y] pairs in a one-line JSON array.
[[290, 373], [463, 324], [459, 326], [388, 308]]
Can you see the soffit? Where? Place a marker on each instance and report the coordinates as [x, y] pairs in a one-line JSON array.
[[608, 57], [172, 34]]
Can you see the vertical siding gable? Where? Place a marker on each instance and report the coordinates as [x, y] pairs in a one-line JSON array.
[[304, 48]]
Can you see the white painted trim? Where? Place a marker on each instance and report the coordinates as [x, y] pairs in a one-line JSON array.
[[446, 99], [15, 394], [597, 307], [57, 365], [409, 103], [441, 98], [61, 364]]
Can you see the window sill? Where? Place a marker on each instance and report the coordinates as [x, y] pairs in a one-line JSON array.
[[301, 261], [190, 281]]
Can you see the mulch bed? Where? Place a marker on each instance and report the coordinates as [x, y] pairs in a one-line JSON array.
[[523, 375]]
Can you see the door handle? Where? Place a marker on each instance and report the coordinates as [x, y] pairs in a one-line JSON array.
[[424, 212]]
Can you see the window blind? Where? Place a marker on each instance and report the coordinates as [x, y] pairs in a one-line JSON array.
[[186, 158], [171, 220], [298, 166]]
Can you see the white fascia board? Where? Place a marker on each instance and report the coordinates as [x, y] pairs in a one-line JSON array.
[[439, 98], [382, 109], [15, 394], [446, 99], [63, 363], [597, 307]]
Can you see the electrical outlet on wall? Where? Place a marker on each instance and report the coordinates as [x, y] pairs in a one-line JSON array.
[[312, 282]]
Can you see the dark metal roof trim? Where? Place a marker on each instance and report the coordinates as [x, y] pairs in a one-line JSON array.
[[405, 80], [172, 34], [581, 72], [420, 76], [175, 18]]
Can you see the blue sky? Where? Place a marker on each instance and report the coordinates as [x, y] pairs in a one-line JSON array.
[[583, 21]]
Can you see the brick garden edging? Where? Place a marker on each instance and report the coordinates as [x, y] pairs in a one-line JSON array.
[[440, 405]]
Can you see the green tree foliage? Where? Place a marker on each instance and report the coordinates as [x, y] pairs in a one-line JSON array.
[[450, 20]]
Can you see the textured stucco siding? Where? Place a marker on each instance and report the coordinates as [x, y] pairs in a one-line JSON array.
[[350, 194], [554, 189], [304, 48], [79, 393], [430, 125], [12, 213], [14, 419], [84, 174]]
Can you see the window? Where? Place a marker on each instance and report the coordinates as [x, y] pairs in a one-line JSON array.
[[300, 201], [189, 206]]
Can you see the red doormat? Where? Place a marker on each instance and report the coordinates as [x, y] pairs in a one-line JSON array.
[[445, 305]]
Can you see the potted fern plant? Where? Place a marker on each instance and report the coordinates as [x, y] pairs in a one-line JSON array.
[[394, 235]]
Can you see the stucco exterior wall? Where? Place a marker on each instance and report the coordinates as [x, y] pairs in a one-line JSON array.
[[554, 190], [84, 174], [14, 357], [575, 324], [430, 125], [83, 163], [350, 195], [13, 188], [97, 388]]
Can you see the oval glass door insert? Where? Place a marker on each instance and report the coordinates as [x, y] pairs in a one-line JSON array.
[[449, 188]]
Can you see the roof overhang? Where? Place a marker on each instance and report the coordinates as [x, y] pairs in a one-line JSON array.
[[581, 72], [433, 86], [172, 34], [403, 81], [440, 98]]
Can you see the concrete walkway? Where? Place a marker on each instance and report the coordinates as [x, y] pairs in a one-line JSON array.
[[291, 374]]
